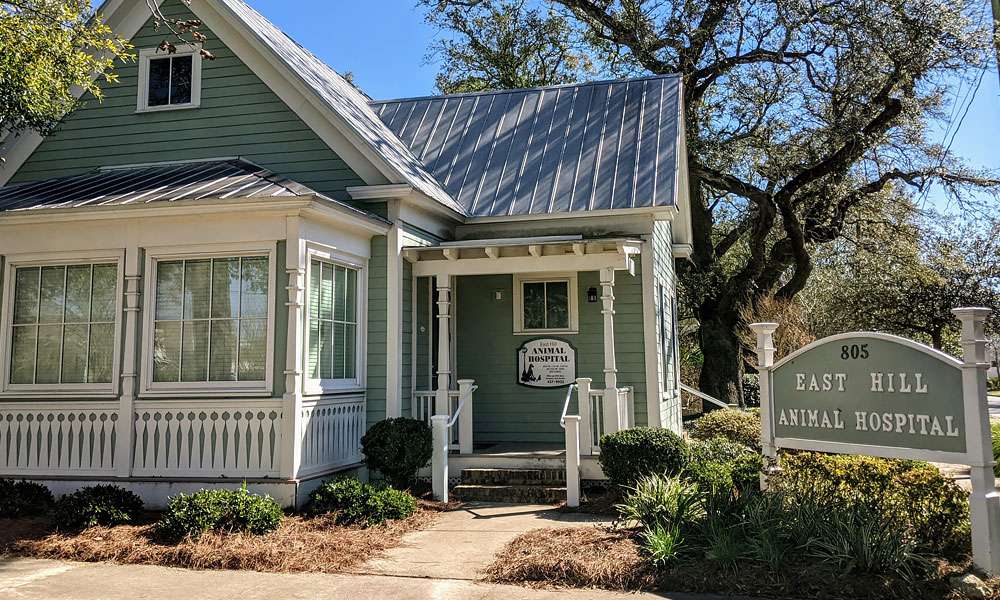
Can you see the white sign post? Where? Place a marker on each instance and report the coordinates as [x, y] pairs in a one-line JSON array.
[[880, 395]]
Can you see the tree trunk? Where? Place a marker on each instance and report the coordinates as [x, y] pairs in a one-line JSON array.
[[722, 371], [937, 339]]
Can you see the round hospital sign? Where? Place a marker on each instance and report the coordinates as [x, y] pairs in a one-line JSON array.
[[546, 363]]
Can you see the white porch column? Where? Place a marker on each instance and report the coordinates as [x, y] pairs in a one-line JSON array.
[[441, 402], [612, 422], [394, 318], [984, 502], [126, 406], [765, 360], [291, 425], [439, 458]]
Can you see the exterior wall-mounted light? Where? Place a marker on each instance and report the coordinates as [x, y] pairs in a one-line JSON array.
[[592, 295]]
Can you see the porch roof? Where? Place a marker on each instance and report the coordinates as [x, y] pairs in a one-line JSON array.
[[524, 255]]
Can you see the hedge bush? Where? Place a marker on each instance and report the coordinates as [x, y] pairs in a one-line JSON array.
[[736, 426], [357, 503], [931, 507], [630, 454], [995, 429], [191, 515], [397, 448], [721, 466], [105, 505], [23, 499]]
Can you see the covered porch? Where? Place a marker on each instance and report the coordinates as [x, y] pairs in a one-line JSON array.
[[479, 305]]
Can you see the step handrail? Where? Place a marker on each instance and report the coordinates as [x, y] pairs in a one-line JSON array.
[[706, 397], [461, 404], [569, 396]]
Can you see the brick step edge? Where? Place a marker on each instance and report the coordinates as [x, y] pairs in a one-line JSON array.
[[535, 494], [543, 477]]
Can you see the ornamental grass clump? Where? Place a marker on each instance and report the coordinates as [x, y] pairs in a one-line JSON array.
[[189, 516], [23, 499], [631, 454], [105, 505], [660, 501]]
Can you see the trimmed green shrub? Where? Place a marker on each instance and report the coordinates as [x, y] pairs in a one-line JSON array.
[[23, 499], [932, 508], [721, 466], [397, 448], [105, 505], [737, 426], [191, 515], [628, 455], [659, 501], [357, 503]]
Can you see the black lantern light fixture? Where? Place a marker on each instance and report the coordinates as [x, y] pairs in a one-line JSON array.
[[592, 295]]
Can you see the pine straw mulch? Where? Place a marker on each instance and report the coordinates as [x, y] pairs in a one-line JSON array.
[[300, 544], [609, 558]]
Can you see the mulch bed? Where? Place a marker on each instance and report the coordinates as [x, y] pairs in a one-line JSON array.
[[300, 544], [608, 558]]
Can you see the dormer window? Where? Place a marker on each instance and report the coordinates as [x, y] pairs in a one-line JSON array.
[[169, 81]]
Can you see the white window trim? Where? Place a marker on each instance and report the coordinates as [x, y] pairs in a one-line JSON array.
[[147, 54], [58, 390], [316, 387], [574, 302], [151, 389]]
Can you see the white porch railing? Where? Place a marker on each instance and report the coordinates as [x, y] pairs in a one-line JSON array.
[[331, 433], [440, 426], [232, 438], [422, 408], [48, 438]]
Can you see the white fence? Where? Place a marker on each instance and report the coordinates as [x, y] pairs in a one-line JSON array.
[[331, 433], [422, 409], [231, 438], [58, 438]]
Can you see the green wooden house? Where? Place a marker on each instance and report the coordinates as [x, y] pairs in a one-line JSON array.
[[228, 269]]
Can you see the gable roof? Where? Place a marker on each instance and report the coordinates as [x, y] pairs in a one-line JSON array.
[[145, 184], [561, 149]]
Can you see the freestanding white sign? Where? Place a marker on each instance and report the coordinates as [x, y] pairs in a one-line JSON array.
[[870, 393], [546, 363]]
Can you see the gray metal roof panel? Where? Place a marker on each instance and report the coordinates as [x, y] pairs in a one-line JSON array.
[[571, 148]]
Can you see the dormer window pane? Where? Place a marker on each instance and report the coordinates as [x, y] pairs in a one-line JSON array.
[[159, 82], [170, 80], [180, 80]]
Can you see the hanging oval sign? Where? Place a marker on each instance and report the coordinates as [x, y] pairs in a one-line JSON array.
[[546, 363], [862, 391]]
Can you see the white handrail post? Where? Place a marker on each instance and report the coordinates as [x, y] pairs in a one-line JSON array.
[[465, 417], [439, 459], [583, 407], [442, 399], [765, 360], [984, 503], [572, 461]]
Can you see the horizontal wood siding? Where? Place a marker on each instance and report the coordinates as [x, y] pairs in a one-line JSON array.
[[487, 352], [665, 300], [377, 316], [406, 381], [239, 116]]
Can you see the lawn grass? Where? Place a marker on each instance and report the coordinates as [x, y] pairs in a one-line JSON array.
[[299, 545]]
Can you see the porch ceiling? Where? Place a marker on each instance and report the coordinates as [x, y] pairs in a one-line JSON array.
[[524, 255]]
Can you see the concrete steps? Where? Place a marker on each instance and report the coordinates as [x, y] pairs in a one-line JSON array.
[[523, 486]]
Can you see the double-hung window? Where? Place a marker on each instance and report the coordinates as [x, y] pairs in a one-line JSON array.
[[62, 326], [169, 81], [211, 323], [334, 315], [545, 304]]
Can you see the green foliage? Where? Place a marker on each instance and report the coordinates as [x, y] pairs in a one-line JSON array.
[[995, 431], [737, 426], [397, 448], [660, 501], [191, 515], [628, 455], [23, 499], [49, 48], [357, 503], [720, 466], [931, 508], [105, 505], [662, 544]]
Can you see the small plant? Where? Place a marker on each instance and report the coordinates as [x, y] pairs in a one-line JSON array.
[[23, 499], [737, 426], [721, 466], [398, 448], [191, 515], [105, 505], [662, 544], [631, 454], [355, 502], [658, 501]]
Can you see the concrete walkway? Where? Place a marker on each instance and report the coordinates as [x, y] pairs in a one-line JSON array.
[[462, 542]]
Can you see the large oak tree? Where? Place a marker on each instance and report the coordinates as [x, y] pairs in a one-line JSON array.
[[799, 113]]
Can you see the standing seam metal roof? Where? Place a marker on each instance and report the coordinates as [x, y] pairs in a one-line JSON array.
[[571, 148]]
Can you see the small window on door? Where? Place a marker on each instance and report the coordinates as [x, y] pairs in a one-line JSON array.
[[169, 81], [545, 305]]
